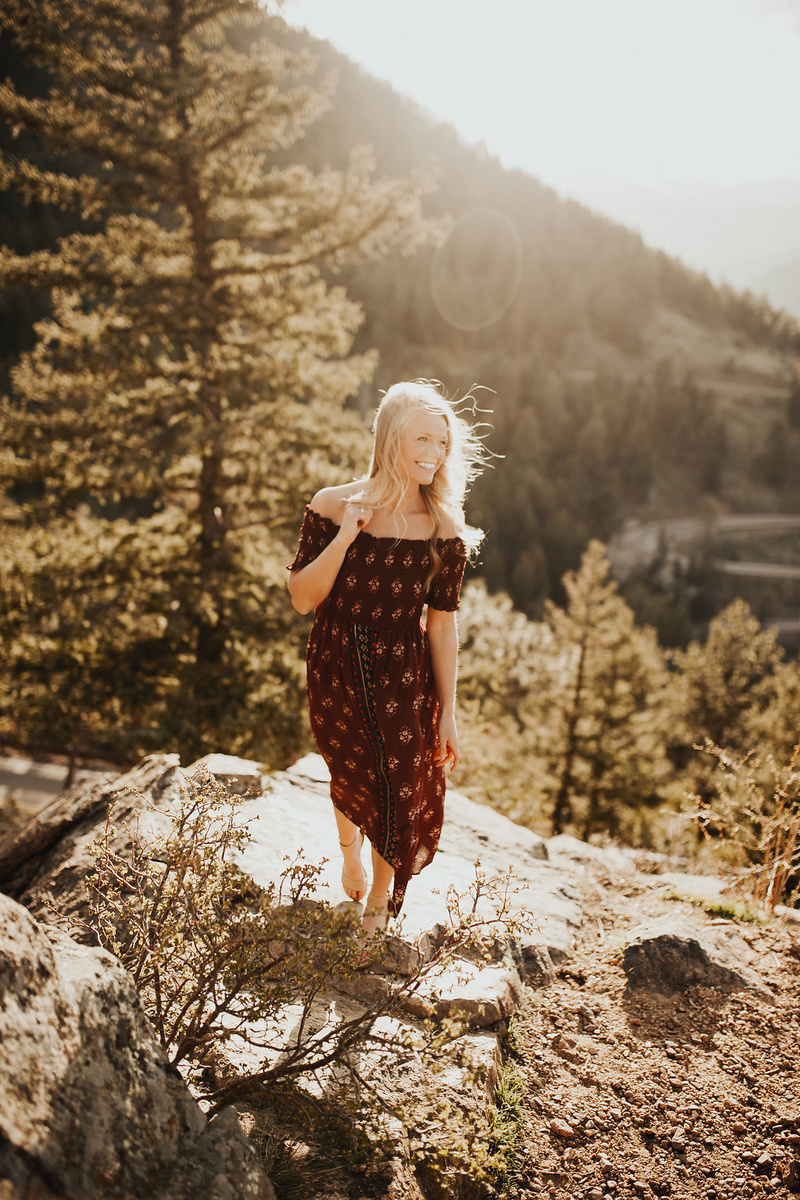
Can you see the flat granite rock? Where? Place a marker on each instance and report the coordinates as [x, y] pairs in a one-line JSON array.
[[293, 815], [289, 814], [49, 856]]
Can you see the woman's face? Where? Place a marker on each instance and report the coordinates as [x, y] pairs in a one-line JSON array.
[[423, 446]]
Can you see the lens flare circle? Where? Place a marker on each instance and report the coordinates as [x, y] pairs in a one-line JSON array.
[[477, 271]]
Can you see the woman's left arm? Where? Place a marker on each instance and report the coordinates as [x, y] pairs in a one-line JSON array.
[[442, 630]]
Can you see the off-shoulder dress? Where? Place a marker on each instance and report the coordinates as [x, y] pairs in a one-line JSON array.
[[371, 692]]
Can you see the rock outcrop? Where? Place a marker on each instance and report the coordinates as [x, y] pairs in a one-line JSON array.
[[89, 1105], [93, 1109], [293, 814], [44, 864]]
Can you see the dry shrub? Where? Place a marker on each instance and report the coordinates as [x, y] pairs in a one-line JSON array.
[[756, 819]]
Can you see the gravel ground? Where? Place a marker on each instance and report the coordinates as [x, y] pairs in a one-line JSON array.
[[696, 1095]]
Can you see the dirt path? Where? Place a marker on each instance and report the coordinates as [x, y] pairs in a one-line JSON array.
[[696, 1096]]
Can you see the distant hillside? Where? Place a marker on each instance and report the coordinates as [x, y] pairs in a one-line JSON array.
[[585, 266], [624, 384], [781, 282], [748, 235]]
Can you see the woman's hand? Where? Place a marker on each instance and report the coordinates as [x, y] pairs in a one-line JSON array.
[[310, 585], [449, 755], [442, 630], [356, 517]]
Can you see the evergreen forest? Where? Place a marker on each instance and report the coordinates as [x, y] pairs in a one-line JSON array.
[[221, 241]]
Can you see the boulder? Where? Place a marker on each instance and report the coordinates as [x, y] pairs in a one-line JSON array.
[[535, 961], [479, 995], [676, 953], [90, 1106]]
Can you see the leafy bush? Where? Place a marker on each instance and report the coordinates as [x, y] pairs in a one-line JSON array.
[[214, 958]]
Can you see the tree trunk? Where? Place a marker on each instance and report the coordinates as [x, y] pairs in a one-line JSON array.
[[562, 807], [211, 635]]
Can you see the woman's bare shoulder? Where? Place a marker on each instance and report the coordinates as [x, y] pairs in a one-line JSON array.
[[330, 501], [449, 527]]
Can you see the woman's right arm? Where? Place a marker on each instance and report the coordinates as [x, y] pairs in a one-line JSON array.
[[310, 585]]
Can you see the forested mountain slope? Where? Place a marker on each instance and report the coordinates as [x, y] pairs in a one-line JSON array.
[[621, 383]]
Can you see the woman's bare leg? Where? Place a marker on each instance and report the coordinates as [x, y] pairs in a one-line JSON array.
[[351, 839], [376, 909], [382, 875], [347, 830]]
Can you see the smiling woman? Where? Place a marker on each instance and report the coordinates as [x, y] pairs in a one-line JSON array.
[[423, 447], [381, 687]]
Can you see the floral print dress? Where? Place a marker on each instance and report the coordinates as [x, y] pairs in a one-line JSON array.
[[371, 693]]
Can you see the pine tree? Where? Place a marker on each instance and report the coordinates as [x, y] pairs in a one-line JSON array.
[[721, 693], [186, 393], [606, 742], [773, 731]]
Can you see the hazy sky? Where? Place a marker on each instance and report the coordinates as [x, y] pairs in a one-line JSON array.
[[589, 95]]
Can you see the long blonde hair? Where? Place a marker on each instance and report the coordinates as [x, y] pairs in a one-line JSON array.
[[444, 496]]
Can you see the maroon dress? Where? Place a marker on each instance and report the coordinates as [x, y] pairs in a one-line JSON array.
[[371, 694]]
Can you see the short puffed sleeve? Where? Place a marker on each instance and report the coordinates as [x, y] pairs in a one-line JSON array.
[[315, 534], [445, 588]]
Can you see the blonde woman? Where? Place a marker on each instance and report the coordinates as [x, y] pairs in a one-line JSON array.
[[382, 687]]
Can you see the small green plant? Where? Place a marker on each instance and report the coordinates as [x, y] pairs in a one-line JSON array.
[[617, 949], [756, 821], [505, 1128], [512, 1045], [730, 909], [284, 1161]]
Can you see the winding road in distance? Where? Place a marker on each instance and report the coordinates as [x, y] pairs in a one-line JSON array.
[[639, 544]]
